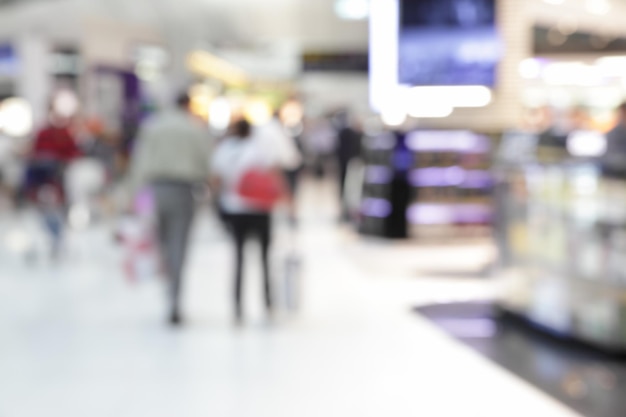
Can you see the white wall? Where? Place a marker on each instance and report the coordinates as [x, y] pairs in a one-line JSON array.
[[332, 90]]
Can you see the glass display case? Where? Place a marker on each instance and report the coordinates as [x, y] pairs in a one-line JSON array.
[[561, 232]]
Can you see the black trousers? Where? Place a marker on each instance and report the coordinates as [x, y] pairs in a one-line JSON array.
[[242, 227]]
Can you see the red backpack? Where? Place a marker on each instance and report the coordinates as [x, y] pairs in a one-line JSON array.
[[261, 188]]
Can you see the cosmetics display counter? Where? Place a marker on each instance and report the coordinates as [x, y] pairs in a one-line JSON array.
[[427, 178], [561, 233]]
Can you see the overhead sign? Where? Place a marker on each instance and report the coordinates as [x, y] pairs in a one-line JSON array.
[[335, 62]]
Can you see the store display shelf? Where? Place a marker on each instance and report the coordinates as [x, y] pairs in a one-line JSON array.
[[566, 235], [442, 214]]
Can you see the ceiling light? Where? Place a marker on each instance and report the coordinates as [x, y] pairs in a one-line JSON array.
[[352, 9]]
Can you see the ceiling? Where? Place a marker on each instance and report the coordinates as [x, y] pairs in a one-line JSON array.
[[312, 24]]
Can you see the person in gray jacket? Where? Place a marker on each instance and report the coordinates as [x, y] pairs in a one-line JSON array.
[[172, 157]]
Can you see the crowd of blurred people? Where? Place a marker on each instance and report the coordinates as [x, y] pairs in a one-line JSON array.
[[248, 170]]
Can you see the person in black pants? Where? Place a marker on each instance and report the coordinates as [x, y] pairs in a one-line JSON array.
[[244, 226], [237, 155]]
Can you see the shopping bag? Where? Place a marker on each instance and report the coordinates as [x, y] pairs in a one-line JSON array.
[[140, 252], [136, 234], [292, 282]]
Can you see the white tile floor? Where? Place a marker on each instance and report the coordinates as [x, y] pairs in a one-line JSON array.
[[77, 341]]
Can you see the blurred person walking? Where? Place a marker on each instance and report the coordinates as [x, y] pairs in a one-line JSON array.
[[247, 176], [53, 149], [348, 148], [171, 157]]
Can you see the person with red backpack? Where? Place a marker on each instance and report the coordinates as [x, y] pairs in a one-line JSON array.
[[249, 182]]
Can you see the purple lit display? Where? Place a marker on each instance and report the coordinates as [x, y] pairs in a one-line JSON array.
[[8, 61], [378, 175], [448, 141], [451, 177], [443, 214], [376, 207]]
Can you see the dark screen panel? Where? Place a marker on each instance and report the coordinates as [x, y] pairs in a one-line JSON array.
[[448, 42]]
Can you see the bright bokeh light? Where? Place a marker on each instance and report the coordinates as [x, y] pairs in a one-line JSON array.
[[424, 110], [530, 69], [391, 118], [384, 27], [220, 113], [200, 95], [587, 144], [352, 9], [257, 111], [433, 102], [394, 113], [291, 113], [612, 66], [66, 104], [451, 96], [572, 74], [16, 117]]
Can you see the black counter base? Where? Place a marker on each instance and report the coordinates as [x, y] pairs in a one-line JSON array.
[[586, 379]]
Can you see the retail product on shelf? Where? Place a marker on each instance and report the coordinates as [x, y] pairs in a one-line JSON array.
[[448, 174]]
